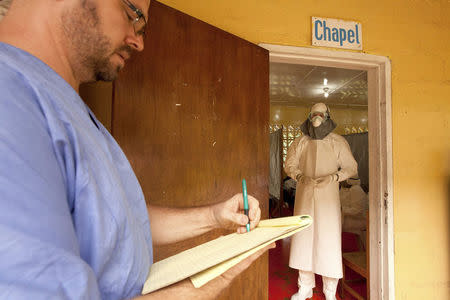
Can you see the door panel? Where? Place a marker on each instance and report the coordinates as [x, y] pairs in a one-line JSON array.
[[191, 113]]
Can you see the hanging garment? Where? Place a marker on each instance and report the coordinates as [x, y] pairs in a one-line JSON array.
[[354, 207]]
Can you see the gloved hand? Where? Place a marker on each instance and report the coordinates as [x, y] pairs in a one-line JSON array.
[[305, 180], [325, 180]]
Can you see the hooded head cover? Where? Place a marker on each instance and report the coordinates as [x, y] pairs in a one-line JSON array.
[[321, 131]]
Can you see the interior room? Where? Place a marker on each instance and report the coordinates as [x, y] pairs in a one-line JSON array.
[[294, 88]]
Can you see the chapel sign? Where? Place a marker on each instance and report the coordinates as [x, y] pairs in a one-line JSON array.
[[336, 33]]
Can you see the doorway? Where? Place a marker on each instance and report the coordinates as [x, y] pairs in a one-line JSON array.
[[377, 70]]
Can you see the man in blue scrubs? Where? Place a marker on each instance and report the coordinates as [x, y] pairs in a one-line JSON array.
[[73, 219]]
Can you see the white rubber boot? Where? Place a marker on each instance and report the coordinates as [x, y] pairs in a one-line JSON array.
[[329, 287], [329, 295], [302, 294], [306, 282]]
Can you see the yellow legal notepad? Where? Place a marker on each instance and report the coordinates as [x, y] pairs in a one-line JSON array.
[[207, 261]]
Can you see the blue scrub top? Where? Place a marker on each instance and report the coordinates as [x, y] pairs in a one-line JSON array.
[[73, 219]]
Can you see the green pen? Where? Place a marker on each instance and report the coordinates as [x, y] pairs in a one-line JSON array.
[[244, 192]]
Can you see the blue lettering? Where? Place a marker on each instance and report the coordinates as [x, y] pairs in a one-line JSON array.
[[325, 30], [351, 34], [316, 31], [357, 34], [335, 35], [322, 32], [342, 36]]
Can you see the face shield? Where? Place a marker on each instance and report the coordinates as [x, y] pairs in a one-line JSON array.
[[319, 123], [318, 117]]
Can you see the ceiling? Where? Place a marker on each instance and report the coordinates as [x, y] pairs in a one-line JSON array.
[[298, 85]]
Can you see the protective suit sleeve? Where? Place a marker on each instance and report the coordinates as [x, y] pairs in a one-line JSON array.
[[293, 159], [39, 251], [346, 161]]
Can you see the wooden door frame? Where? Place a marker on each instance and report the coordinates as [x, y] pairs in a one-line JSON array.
[[380, 150]]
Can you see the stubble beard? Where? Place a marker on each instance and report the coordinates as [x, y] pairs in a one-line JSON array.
[[91, 50]]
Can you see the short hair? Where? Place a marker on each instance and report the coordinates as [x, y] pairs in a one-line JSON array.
[[4, 7]]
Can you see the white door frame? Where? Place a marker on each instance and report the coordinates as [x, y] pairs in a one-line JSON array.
[[380, 150]]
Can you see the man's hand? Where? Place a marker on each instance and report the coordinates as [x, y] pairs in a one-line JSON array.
[[229, 214], [171, 225]]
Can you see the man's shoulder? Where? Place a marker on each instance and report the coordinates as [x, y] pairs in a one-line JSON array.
[[21, 97], [14, 76], [336, 138], [26, 78], [303, 138], [19, 67], [16, 88], [11, 77], [299, 141]]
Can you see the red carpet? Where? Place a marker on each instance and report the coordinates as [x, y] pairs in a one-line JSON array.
[[283, 280]]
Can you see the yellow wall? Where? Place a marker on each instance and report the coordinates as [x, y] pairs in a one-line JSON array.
[[347, 119], [415, 35]]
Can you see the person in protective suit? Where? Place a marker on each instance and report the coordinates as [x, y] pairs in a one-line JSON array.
[[318, 160]]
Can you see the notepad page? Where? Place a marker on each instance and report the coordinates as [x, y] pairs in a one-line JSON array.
[[202, 257], [194, 260], [286, 221], [205, 276]]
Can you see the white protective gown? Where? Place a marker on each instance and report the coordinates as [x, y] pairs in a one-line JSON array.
[[318, 248]]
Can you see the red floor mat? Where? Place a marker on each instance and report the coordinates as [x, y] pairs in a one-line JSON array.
[[283, 280]]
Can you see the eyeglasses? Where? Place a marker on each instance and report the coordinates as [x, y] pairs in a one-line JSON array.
[[138, 21]]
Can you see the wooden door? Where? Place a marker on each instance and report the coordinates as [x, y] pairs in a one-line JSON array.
[[191, 113]]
